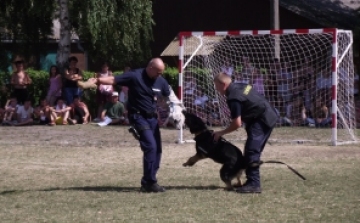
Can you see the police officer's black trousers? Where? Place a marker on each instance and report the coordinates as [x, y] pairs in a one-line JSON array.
[[150, 143], [258, 134]]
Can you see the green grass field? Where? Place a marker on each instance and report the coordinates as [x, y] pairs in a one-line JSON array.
[[81, 174]]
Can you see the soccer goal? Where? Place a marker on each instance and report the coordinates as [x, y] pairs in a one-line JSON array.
[[306, 74]]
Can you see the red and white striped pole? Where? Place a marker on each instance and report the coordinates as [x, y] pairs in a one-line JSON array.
[[180, 88], [334, 89]]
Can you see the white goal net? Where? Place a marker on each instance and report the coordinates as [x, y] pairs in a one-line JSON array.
[[307, 75]]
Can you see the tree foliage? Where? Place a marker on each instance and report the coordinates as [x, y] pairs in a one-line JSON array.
[[27, 24], [64, 44], [115, 30]]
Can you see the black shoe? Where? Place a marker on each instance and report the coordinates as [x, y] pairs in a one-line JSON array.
[[155, 188], [249, 189]]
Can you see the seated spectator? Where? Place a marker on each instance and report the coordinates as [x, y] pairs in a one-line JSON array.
[[284, 85], [227, 68], [236, 77], [323, 83], [42, 113], [258, 82], [24, 114], [114, 110], [10, 111], [307, 73], [189, 85], [60, 113], [298, 86], [281, 121], [201, 99], [79, 113], [123, 97], [297, 115], [247, 70], [201, 103], [214, 118], [321, 114]]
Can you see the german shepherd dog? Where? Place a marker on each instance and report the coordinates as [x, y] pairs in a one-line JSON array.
[[223, 152]]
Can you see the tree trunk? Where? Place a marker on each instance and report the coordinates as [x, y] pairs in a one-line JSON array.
[[63, 51]]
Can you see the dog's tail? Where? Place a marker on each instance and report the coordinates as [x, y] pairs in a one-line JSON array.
[[278, 162]]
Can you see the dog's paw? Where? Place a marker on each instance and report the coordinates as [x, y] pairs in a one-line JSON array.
[[237, 185]]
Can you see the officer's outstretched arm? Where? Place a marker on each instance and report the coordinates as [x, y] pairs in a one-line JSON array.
[[110, 80], [93, 82]]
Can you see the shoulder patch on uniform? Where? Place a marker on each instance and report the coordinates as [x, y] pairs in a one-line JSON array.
[[247, 89]]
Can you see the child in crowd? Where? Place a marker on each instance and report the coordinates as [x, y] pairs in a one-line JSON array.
[[10, 109], [55, 86]]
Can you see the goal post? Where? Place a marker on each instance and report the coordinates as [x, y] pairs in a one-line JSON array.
[[310, 85]]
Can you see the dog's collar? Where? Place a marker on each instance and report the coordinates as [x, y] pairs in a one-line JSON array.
[[198, 133]]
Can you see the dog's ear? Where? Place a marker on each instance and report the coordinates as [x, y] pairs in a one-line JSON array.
[[184, 111]]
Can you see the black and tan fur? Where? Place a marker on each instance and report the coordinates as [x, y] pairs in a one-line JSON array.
[[222, 151]]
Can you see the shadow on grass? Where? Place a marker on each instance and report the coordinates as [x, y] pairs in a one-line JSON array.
[[110, 188]]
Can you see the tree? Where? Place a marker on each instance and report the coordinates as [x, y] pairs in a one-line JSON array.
[[119, 31], [116, 30], [63, 51], [28, 25]]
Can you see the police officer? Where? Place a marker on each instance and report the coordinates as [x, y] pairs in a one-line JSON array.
[[248, 106], [145, 86]]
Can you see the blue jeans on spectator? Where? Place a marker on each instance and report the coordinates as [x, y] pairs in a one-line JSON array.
[[70, 92], [325, 122], [309, 121]]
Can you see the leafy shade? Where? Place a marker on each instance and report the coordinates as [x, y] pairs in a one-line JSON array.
[[28, 24], [118, 31]]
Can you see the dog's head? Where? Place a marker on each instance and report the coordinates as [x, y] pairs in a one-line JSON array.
[[194, 123]]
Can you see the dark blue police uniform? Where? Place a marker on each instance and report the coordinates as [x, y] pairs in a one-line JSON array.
[[141, 106], [259, 118]]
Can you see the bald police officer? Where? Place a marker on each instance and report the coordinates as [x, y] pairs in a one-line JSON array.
[[248, 106], [145, 86]]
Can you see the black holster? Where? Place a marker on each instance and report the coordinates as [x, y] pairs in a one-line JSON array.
[[134, 132]]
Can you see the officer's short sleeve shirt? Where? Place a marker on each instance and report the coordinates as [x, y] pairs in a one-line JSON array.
[[235, 108], [143, 91]]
